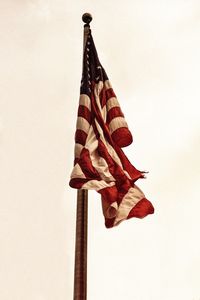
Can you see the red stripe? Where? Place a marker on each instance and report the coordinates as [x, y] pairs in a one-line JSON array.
[[113, 113], [123, 190], [109, 222], [103, 98], [141, 209], [105, 94], [77, 183], [122, 137], [80, 137], [86, 166], [109, 93], [76, 159], [109, 194], [84, 112]]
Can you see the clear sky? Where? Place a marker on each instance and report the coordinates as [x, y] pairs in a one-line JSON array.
[[150, 50]]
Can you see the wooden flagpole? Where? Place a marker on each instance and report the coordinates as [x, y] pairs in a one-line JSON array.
[[80, 268]]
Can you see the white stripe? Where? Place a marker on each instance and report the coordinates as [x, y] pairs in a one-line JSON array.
[[107, 84], [97, 90], [125, 172], [82, 124], [116, 123], [91, 142], [85, 100], [104, 113], [98, 162], [77, 150], [101, 166], [112, 102], [77, 172], [96, 185], [133, 196]]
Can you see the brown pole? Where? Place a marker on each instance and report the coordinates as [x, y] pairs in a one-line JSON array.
[[80, 268]]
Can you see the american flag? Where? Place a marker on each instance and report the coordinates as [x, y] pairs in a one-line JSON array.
[[101, 132]]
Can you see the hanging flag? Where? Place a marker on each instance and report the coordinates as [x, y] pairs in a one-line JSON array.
[[101, 132]]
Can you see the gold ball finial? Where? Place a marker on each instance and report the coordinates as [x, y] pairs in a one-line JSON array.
[[87, 18]]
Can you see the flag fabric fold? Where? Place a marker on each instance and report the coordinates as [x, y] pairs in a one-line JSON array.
[[101, 132]]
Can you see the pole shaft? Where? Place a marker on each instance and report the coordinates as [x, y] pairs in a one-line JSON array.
[[80, 271]]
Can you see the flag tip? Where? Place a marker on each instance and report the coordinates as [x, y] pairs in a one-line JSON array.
[[87, 18]]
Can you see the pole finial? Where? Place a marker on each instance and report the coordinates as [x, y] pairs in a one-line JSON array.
[[87, 18]]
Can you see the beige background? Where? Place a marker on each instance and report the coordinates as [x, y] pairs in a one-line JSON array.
[[150, 50]]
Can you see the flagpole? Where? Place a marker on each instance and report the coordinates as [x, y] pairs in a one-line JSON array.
[[80, 268]]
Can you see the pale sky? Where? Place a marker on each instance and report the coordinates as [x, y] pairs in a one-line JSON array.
[[150, 51]]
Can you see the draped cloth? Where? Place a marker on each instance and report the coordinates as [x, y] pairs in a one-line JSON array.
[[101, 132]]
